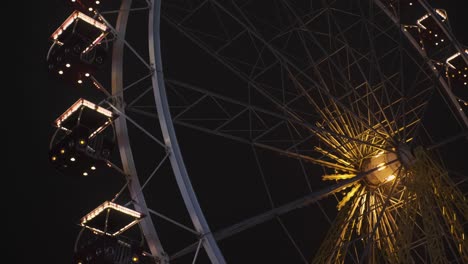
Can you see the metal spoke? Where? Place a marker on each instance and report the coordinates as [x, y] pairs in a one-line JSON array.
[[172, 221], [137, 125], [155, 170]]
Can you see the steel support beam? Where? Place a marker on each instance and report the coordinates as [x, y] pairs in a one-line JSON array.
[[278, 211], [123, 139], [165, 120]]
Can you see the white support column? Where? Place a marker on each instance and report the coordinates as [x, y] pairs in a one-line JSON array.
[[123, 139], [170, 139]]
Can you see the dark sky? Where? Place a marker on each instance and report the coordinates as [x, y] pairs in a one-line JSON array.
[[44, 219]]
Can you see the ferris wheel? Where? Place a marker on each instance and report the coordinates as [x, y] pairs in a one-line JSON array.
[[307, 131]]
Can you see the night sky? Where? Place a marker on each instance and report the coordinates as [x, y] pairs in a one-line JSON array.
[[47, 205]]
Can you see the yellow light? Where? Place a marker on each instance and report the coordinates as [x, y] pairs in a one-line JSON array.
[[60, 72], [330, 177], [135, 259], [80, 81], [111, 205], [390, 178], [87, 74], [72, 159], [85, 173], [381, 166], [93, 168], [379, 154], [76, 106], [62, 151], [441, 13], [451, 58], [54, 158], [106, 206], [95, 42], [82, 142], [78, 15], [68, 65]]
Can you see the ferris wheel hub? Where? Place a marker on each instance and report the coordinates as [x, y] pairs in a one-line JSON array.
[[382, 168], [387, 165]]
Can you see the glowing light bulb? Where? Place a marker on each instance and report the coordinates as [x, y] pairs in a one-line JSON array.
[[62, 151], [98, 2], [410, 4], [68, 65], [54, 158], [93, 168], [390, 178], [90, 9], [60, 72], [80, 81], [72, 159], [381, 166], [135, 259], [82, 142], [85, 173], [379, 154], [87, 74]]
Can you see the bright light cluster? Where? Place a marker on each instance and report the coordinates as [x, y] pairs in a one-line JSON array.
[[110, 205], [78, 15], [74, 16], [449, 59], [440, 12], [76, 106], [383, 167]]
